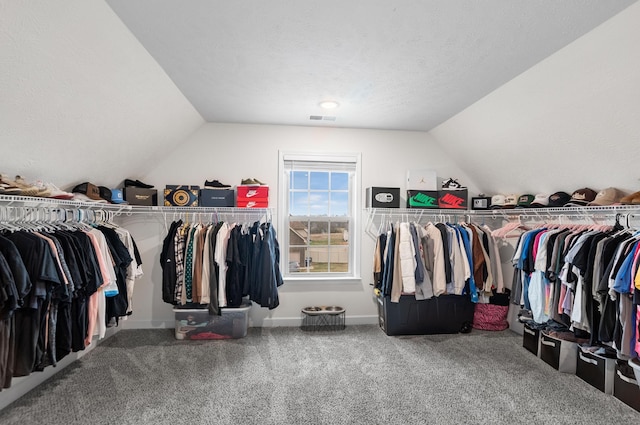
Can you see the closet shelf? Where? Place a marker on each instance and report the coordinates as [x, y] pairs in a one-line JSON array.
[[528, 212], [119, 209]]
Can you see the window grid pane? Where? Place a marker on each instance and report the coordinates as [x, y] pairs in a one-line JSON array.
[[319, 219]]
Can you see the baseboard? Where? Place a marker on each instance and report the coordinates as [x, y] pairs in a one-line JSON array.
[[263, 323], [22, 385], [297, 321]]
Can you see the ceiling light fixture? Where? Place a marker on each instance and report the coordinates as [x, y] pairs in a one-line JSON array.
[[329, 104]]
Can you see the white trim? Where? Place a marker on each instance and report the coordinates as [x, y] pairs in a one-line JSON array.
[[355, 213], [22, 385]]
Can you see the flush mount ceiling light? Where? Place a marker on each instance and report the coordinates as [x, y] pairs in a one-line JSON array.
[[329, 104]]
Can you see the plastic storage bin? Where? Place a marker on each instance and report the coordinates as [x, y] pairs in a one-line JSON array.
[[197, 324], [446, 314]]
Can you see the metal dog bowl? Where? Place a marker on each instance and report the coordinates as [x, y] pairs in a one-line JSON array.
[[334, 309], [312, 310]]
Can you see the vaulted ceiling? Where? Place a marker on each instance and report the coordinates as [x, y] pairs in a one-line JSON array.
[[406, 64]]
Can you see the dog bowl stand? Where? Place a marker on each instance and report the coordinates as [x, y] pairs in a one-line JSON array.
[[323, 319]]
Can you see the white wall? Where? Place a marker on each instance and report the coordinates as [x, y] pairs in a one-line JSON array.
[[230, 152], [571, 121], [80, 98]]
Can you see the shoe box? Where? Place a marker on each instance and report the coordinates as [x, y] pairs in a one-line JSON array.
[[217, 198], [252, 196], [181, 196], [422, 199], [596, 370], [625, 384], [382, 197], [446, 314], [139, 196], [422, 180], [531, 339], [558, 353], [452, 199]]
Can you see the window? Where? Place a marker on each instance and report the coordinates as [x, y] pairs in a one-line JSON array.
[[319, 200]]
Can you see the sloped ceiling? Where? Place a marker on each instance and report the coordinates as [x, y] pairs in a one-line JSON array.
[[571, 121], [406, 64], [80, 98]]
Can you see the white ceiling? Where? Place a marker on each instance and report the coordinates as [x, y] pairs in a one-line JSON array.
[[404, 64]]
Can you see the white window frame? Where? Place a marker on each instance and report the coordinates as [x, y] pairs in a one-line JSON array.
[[355, 218]]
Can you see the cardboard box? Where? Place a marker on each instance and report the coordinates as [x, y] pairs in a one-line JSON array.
[[598, 371], [253, 203], [559, 354], [139, 196], [181, 196], [197, 324], [422, 180], [422, 199], [452, 199], [217, 198], [246, 192], [382, 197]]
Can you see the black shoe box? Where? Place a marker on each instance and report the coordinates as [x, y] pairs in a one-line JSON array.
[[139, 196], [452, 199], [531, 339], [181, 196], [382, 197], [596, 370], [217, 198], [625, 387], [422, 199]]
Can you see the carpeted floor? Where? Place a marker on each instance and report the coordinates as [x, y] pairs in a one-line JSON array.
[[287, 376]]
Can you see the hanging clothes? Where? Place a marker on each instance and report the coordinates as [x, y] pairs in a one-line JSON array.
[[59, 284], [217, 265], [435, 259]]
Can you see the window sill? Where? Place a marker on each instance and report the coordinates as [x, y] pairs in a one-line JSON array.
[[323, 280]]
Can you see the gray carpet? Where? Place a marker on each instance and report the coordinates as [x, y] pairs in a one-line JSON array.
[[287, 376]]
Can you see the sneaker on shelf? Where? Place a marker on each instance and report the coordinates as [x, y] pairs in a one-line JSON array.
[[451, 184], [54, 191], [8, 187], [137, 183], [259, 182], [215, 184], [31, 190], [249, 182]]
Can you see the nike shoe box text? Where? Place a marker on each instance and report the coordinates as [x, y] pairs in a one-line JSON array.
[[452, 199], [383, 197], [252, 197], [217, 198], [422, 199]]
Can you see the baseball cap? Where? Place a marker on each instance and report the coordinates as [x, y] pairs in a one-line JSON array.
[[117, 196], [581, 197], [510, 201], [524, 201], [541, 200], [90, 190], [497, 201], [105, 193], [558, 199], [608, 196]]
